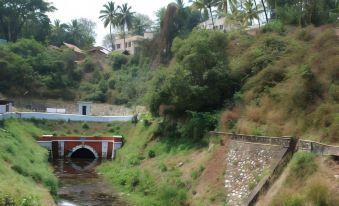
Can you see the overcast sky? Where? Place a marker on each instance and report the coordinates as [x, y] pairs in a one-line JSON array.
[[74, 9]]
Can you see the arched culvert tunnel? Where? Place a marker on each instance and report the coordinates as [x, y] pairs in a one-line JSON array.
[[83, 153]]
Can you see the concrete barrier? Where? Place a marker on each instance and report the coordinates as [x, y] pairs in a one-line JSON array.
[[318, 148], [64, 117]]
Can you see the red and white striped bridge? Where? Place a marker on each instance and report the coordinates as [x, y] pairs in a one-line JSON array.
[[81, 147]]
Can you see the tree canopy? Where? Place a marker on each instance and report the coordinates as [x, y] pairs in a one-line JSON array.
[[80, 32], [199, 81], [15, 15]]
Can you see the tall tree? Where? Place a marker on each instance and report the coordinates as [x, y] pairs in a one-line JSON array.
[[58, 33], [16, 13], [264, 7], [206, 5], [223, 6], [107, 41], [109, 15], [75, 31], [125, 17], [250, 12], [160, 14], [140, 24], [258, 11]]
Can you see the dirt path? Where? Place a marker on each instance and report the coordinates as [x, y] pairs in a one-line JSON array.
[[211, 182]]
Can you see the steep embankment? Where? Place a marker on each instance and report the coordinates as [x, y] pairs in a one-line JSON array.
[[25, 177], [307, 180], [289, 86], [290, 83]]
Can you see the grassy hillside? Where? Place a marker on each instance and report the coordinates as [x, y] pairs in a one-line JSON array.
[[308, 180], [161, 171], [290, 83], [25, 176]]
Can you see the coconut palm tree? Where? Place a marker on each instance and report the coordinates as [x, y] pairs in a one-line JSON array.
[[257, 8], [75, 31], [250, 12], [206, 5], [58, 33], [180, 4], [125, 17], [223, 6], [110, 16]]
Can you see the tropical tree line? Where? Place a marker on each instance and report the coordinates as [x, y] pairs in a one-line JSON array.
[[242, 12], [117, 17], [20, 19], [80, 32], [29, 19], [295, 12]]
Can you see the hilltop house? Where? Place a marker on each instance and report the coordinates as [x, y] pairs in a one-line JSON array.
[[131, 42], [219, 24]]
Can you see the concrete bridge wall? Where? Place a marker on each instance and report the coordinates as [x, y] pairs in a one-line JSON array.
[[318, 148], [281, 141], [64, 117], [101, 147]]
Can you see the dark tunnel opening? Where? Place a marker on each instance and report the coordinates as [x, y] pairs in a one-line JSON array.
[[83, 153]]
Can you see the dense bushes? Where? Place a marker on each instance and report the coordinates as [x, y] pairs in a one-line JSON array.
[[118, 60], [302, 165], [199, 81], [274, 26], [29, 65], [198, 124]]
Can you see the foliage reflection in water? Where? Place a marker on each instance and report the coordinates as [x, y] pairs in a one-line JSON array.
[[80, 185]]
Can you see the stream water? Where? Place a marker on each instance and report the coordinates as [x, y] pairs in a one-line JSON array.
[[80, 185]]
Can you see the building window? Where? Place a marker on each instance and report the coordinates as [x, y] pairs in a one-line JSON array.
[[118, 46], [129, 44], [221, 27]]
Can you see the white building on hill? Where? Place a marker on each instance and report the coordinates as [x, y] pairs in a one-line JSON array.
[[131, 42]]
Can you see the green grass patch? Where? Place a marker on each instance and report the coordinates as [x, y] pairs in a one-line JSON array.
[[146, 169], [23, 165]]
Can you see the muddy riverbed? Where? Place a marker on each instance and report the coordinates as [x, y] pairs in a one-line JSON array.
[[80, 185]]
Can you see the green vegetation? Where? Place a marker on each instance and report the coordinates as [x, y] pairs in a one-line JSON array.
[[302, 165], [79, 32], [29, 66], [287, 78], [282, 81], [199, 80], [149, 172], [24, 170]]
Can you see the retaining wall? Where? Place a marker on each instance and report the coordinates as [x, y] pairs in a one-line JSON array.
[[281, 141], [64, 117], [289, 143], [268, 180]]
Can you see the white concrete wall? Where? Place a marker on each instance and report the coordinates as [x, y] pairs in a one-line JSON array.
[[2, 109], [65, 117]]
